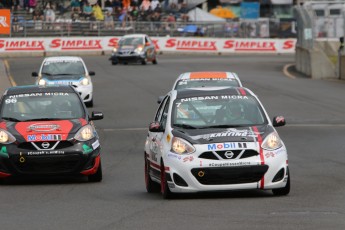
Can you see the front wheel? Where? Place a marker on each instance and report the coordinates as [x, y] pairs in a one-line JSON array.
[[283, 191], [164, 184]]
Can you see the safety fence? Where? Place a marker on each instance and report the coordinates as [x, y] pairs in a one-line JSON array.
[[261, 28], [51, 45]]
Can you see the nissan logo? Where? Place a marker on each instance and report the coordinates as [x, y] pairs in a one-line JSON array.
[[45, 145], [229, 154]]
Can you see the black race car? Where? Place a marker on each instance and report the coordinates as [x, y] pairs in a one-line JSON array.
[[46, 131], [134, 48]]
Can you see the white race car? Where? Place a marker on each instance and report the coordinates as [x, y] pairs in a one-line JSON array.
[[214, 139], [206, 79], [67, 70]]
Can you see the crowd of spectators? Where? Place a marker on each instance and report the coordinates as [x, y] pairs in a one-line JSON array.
[[115, 13]]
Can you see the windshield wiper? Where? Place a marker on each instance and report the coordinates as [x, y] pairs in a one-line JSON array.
[[11, 119], [185, 126]]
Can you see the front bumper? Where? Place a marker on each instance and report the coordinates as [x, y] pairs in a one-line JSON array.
[[67, 158], [131, 57], [189, 173]]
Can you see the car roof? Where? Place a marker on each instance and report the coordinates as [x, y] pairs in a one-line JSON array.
[[208, 75], [63, 58], [134, 35], [39, 89], [198, 92]]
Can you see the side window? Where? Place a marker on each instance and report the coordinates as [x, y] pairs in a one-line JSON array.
[[160, 110], [165, 113]]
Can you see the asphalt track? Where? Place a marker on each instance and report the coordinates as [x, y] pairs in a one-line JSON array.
[[127, 94]]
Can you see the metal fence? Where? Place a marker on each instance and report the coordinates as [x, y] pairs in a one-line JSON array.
[[261, 28]]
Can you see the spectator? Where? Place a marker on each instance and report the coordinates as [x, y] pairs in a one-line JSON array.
[[116, 3], [32, 5], [173, 8], [87, 10], [184, 12], [170, 23], [15, 24], [154, 4], [134, 12], [37, 15], [155, 19], [108, 21], [75, 6], [49, 16], [97, 12], [108, 4], [125, 17], [145, 5]]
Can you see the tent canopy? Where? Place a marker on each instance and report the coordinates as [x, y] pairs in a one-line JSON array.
[[222, 12], [198, 15]]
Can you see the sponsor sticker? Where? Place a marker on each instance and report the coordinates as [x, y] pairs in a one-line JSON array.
[[44, 137], [95, 144]]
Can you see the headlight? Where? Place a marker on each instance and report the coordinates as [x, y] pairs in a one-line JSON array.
[[115, 50], [272, 142], [85, 81], [6, 137], [42, 82], [85, 133], [139, 50], [181, 146]]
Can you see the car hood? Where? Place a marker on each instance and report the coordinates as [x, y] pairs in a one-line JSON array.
[[127, 48], [219, 135], [32, 131]]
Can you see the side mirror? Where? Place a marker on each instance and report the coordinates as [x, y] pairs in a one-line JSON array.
[[92, 73], [160, 99], [34, 74], [278, 121], [96, 116], [156, 127]]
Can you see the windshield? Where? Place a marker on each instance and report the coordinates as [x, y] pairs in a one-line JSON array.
[[41, 106], [217, 112], [132, 41], [62, 67], [206, 82]]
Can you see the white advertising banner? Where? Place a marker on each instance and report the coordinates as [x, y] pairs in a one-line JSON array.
[[163, 44]]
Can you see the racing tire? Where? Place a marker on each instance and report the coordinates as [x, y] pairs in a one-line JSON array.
[[151, 186], [97, 177], [89, 103], [143, 62], [283, 191], [155, 62], [114, 63], [167, 194]]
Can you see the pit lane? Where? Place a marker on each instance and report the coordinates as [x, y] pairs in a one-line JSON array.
[[127, 95]]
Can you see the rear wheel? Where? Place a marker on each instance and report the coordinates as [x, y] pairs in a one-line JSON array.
[[164, 184], [97, 177], [114, 63], [283, 191], [151, 186], [154, 61], [143, 62]]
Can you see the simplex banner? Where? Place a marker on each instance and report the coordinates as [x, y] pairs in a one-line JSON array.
[[163, 44]]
